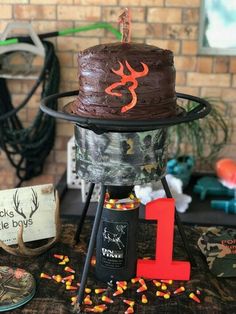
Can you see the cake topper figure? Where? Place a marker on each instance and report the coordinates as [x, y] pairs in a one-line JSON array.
[[131, 78], [125, 26]]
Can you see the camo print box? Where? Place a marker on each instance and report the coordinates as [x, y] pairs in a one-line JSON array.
[[120, 158]]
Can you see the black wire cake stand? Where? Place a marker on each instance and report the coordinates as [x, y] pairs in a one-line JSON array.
[[100, 126]]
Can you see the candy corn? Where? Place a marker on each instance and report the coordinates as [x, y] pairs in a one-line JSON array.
[[58, 256], [194, 297], [136, 279], [166, 295], [62, 263], [68, 283], [57, 278], [129, 310], [129, 302], [142, 288], [179, 290], [144, 299], [142, 282], [156, 283], [87, 300], [160, 294], [167, 281], [70, 278], [46, 276], [100, 308], [93, 261], [163, 287], [122, 284], [69, 287], [106, 299], [99, 290], [69, 269], [117, 292], [87, 290], [73, 300]]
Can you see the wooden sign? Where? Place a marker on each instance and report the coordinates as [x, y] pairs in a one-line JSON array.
[[34, 207]]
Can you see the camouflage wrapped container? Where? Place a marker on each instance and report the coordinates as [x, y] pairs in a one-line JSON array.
[[120, 158]]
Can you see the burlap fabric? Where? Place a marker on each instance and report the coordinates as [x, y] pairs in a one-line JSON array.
[[218, 295]]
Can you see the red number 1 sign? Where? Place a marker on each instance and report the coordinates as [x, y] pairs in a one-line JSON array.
[[163, 267]]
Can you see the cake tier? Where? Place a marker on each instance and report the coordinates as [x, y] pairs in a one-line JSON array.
[[112, 76]]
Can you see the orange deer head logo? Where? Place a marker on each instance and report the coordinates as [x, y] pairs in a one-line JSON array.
[[132, 77]]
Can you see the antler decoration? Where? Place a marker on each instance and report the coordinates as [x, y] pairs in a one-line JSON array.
[[125, 26], [16, 203], [25, 251], [35, 202], [132, 78]]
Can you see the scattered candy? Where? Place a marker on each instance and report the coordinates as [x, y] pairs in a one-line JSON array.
[[142, 282], [106, 299], [100, 308], [99, 290], [167, 281], [58, 256], [68, 283], [87, 300], [129, 302], [136, 279], [122, 284], [88, 290], [93, 261], [142, 288], [69, 269], [66, 259], [166, 295], [156, 283], [117, 292], [70, 277], [62, 263], [46, 276], [69, 287], [198, 292], [179, 290], [57, 278], [144, 299], [129, 310], [194, 297], [163, 287], [160, 294], [73, 300]]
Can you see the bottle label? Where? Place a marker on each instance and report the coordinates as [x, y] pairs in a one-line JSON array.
[[114, 244]]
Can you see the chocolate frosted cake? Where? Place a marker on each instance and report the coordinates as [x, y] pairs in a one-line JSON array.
[[126, 81]]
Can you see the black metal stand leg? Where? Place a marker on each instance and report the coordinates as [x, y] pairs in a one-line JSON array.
[[179, 224], [91, 246], [84, 213]]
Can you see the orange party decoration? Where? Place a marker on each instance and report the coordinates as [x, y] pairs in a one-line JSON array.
[[163, 210], [131, 78], [226, 171]]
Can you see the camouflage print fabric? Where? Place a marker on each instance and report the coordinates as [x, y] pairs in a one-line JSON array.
[[219, 247], [120, 158], [217, 294], [16, 287]]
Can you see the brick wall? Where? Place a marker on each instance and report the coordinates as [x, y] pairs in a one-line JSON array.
[[171, 24]]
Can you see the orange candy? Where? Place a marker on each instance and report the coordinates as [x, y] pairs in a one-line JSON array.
[[46, 276], [142, 288], [99, 290], [129, 302], [117, 292], [144, 299], [179, 290], [136, 279], [194, 297], [106, 299], [156, 283], [87, 300], [58, 256], [57, 278], [160, 294], [129, 310], [69, 269]]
